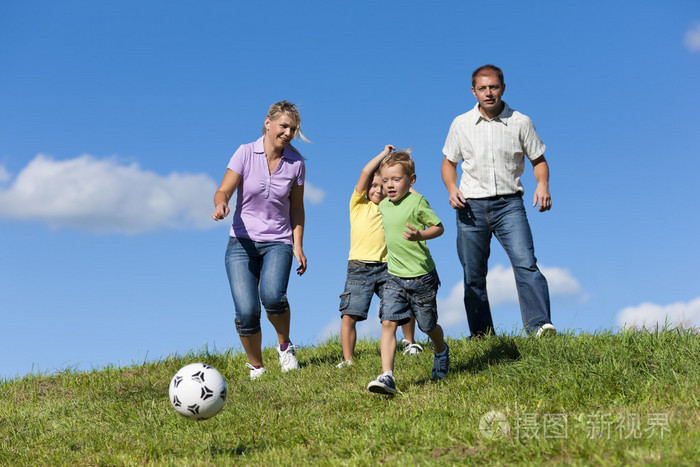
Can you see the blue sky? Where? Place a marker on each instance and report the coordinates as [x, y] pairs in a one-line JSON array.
[[117, 120]]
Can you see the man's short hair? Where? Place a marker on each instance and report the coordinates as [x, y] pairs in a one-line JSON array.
[[487, 70]]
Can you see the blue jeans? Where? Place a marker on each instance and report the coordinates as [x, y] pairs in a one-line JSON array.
[[257, 271], [362, 282], [504, 217]]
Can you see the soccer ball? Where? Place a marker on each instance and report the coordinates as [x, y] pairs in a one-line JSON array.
[[197, 391]]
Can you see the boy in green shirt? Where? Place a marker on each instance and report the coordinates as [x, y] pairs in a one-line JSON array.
[[412, 283], [367, 260]]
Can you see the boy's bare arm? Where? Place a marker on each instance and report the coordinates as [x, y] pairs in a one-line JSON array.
[[369, 169], [415, 235]]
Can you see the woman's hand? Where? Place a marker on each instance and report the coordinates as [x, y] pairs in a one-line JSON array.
[[224, 193], [301, 259], [220, 211]]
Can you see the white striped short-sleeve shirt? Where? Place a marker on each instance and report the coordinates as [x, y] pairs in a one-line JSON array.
[[492, 151]]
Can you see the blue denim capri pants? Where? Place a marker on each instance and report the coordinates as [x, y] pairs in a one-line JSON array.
[[257, 272]]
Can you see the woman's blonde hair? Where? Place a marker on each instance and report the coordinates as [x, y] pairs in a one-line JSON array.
[[291, 111]]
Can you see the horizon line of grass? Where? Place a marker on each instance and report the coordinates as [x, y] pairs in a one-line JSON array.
[[205, 350]]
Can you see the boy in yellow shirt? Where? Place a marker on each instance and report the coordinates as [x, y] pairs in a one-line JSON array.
[[367, 267]]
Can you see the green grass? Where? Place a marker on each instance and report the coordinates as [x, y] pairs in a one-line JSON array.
[[626, 398]]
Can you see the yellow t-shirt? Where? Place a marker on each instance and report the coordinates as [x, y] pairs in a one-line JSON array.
[[367, 241]]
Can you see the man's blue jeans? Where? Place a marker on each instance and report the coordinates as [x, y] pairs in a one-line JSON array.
[[257, 271], [504, 217]]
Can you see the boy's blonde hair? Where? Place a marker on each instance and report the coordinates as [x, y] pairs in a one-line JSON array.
[[402, 158], [293, 114]]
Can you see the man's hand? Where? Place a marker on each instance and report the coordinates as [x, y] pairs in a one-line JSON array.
[[457, 200], [449, 178], [542, 197]]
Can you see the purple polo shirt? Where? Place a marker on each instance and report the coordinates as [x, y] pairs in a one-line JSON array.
[[262, 206]]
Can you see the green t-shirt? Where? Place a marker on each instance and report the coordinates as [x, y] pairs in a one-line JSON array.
[[407, 258]]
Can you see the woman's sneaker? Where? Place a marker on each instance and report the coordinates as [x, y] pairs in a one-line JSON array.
[[255, 373], [409, 348], [441, 365], [344, 363], [384, 384], [288, 359]]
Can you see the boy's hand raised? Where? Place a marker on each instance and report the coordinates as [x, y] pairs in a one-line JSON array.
[[412, 234]]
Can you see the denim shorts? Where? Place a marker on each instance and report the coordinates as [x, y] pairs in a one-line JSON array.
[[362, 282], [413, 295]]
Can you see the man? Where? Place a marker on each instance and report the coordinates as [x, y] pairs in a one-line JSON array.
[[491, 141]]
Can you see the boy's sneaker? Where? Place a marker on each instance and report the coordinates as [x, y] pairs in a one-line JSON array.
[[384, 384], [441, 365], [343, 364], [546, 330], [288, 360], [409, 348], [255, 373]]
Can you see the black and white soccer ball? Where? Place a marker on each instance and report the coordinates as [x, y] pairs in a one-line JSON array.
[[197, 391]]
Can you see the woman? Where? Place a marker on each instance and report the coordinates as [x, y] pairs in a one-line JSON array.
[[267, 230]]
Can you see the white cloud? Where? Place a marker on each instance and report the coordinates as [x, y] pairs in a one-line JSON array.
[[692, 38], [106, 196], [560, 281], [4, 174], [451, 309], [332, 328], [500, 286], [652, 316], [369, 328], [313, 194], [102, 195]]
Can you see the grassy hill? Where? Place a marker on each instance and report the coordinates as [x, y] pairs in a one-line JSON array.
[[605, 398]]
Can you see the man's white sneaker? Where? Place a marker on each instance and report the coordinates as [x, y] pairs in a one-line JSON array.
[[409, 348], [343, 364], [288, 360], [255, 373], [546, 330]]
